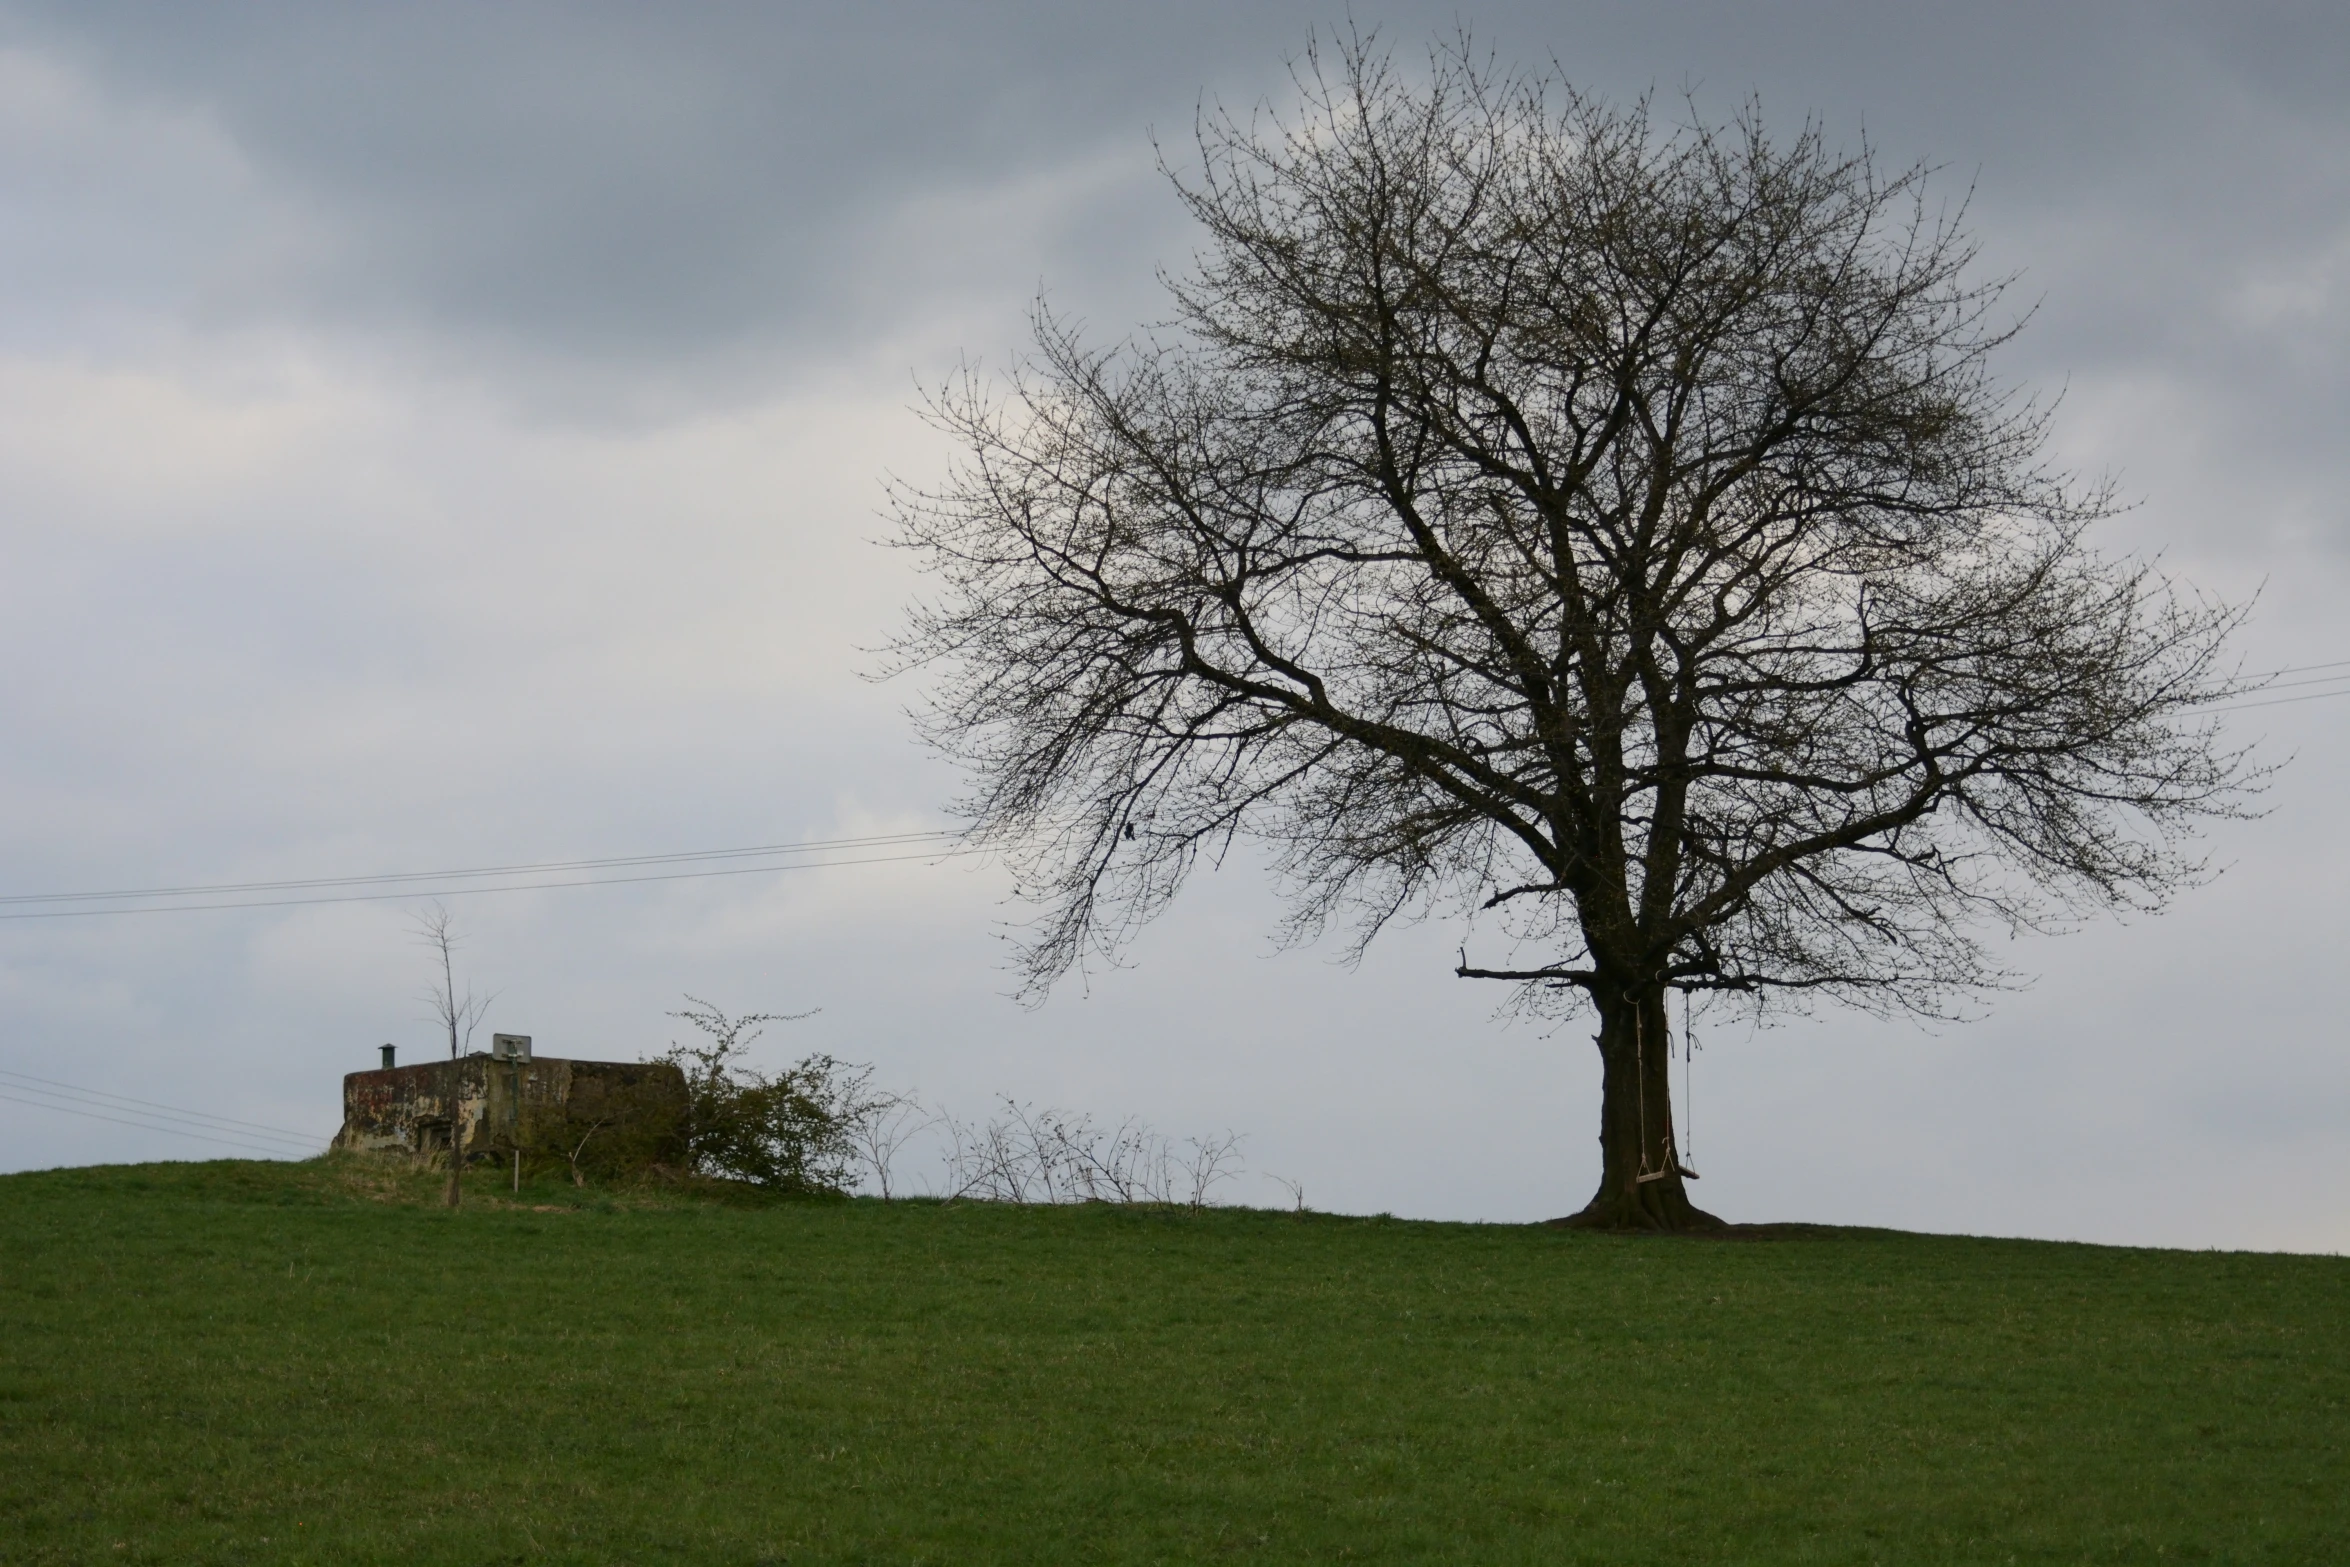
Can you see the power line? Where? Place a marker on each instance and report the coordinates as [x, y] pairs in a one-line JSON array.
[[113, 1101], [2282, 701], [943, 852], [616, 862], [948, 844], [2289, 685], [144, 1126], [2303, 669], [2271, 681]]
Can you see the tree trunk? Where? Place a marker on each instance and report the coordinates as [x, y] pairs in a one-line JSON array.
[[1641, 1182], [456, 1102]]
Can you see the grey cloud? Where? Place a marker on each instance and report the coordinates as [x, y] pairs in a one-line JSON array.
[[623, 188], [626, 186]]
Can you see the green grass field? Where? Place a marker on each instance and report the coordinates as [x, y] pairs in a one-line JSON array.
[[273, 1363]]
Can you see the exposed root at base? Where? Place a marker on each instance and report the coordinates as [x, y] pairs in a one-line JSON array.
[[1635, 1217]]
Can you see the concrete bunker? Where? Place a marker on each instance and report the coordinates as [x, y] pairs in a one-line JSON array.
[[593, 1117]]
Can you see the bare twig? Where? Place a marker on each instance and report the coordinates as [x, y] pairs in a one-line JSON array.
[[577, 1178], [1296, 1190], [458, 1015]]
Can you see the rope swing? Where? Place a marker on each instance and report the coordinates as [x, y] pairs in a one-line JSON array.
[[1688, 1145], [1674, 1165]]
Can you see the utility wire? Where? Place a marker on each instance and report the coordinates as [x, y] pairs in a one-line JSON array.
[[27, 1082], [2271, 681], [145, 1126], [224, 889], [2314, 680], [943, 852], [947, 844], [2282, 701], [2302, 669]]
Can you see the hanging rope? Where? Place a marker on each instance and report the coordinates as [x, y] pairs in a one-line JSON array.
[[1640, 1077], [1674, 1164], [1688, 1089]]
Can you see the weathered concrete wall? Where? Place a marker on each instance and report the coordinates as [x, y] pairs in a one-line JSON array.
[[634, 1110]]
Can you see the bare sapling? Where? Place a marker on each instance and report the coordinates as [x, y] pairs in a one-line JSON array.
[[578, 1177], [880, 1125], [457, 1014], [1029, 1155], [1208, 1163]]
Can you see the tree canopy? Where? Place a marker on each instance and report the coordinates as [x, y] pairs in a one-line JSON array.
[[1611, 532]]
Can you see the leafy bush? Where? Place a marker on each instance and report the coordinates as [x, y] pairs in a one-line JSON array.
[[791, 1131]]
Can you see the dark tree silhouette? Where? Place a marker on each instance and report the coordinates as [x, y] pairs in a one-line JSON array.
[[1611, 533]]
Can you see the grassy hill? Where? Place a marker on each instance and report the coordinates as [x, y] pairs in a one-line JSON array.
[[272, 1363]]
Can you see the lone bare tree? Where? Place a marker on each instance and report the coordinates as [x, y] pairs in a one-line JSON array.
[[459, 1015], [1611, 533]]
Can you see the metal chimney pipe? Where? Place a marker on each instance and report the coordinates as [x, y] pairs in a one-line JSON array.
[[387, 1058]]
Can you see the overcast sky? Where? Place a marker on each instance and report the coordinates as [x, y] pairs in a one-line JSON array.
[[444, 436]]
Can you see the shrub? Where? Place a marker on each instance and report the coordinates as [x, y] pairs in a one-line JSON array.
[[790, 1131]]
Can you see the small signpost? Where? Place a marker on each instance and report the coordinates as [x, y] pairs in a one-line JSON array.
[[515, 1049]]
